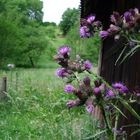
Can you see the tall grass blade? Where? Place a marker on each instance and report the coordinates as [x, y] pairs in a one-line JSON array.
[[130, 109], [120, 55], [129, 53], [119, 110], [94, 136]]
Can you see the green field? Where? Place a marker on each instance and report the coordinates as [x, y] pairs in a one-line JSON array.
[[35, 109]]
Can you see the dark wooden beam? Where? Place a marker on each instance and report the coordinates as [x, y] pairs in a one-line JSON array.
[[103, 9]]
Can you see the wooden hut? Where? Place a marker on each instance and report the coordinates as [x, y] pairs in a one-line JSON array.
[[128, 72]]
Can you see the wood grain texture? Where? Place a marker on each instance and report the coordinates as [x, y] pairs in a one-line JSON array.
[[129, 71]]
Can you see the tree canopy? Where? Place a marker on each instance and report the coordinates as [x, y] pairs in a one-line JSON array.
[[69, 17], [22, 34]]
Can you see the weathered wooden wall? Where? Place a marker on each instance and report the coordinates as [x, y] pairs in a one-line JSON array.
[[128, 72], [103, 9]]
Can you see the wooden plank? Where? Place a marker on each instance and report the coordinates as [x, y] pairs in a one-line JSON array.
[[128, 72], [3, 89]]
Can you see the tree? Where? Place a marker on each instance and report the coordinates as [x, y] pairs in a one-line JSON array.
[[87, 48], [22, 35], [69, 17]]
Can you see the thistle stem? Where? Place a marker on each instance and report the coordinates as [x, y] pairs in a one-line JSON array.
[[108, 125], [116, 125]]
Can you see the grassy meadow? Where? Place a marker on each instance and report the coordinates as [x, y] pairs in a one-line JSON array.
[[35, 109], [36, 105]]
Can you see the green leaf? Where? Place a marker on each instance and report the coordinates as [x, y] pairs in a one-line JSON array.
[[120, 55], [94, 136], [129, 108], [130, 53], [134, 40], [118, 110], [135, 132]]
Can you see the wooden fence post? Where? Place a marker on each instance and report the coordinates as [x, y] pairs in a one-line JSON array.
[[16, 81], [3, 89]]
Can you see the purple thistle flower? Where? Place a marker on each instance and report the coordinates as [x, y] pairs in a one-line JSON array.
[[103, 34], [84, 32], [120, 87], [96, 91], [109, 94], [127, 17], [87, 65], [61, 72], [91, 19], [68, 88], [138, 94], [63, 50], [90, 108]]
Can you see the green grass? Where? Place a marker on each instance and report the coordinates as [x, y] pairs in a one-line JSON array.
[[35, 109], [46, 59]]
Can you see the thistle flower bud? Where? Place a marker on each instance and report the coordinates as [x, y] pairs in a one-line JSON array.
[[87, 65], [83, 22], [109, 94], [86, 81], [72, 103], [115, 17], [69, 88], [90, 108], [113, 29], [80, 95], [97, 83], [64, 51], [129, 25], [96, 91], [61, 72], [91, 19], [84, 32], [78, 58], [102, 87], [133, 12], [127, 17], [103, 34], [98, 24]]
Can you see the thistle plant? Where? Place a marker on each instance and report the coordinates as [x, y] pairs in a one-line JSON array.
[[91, 90], [124, 27]]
